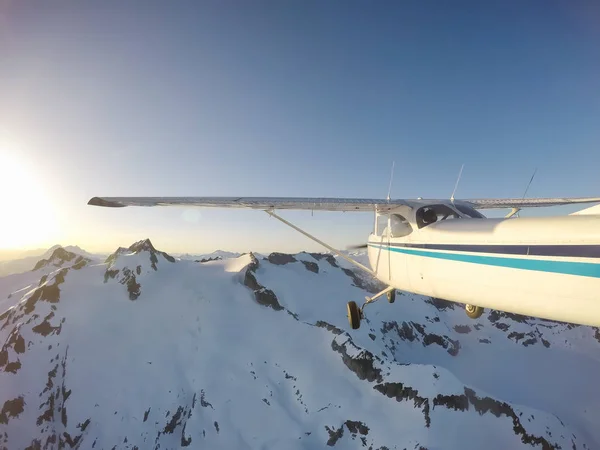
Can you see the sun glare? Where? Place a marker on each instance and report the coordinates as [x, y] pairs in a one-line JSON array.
[[26, 217]]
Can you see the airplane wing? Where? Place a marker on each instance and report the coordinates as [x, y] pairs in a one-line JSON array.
[[493, 203], [327, 204], [262, 203]]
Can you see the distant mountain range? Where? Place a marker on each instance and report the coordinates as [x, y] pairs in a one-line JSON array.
[[9, 254], [217, 254]]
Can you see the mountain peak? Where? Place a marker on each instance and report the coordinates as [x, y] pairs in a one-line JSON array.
[[53, 248], [143, 245], [69, 248], [140, 248], [60, 257], [62, 253]]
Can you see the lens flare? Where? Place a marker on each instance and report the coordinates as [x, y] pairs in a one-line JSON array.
[[26, 217]]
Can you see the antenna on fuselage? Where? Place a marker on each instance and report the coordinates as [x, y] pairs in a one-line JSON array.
[[391, 179], [457, 181], [527, 188]]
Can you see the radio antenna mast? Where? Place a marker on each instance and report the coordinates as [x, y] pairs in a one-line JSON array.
[[391, 179], [456, 185], [527, 188]]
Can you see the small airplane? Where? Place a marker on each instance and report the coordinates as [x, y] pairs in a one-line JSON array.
[[547, 267]]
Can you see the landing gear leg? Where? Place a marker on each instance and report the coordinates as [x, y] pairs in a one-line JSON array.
[[473, 311], [355, 314]]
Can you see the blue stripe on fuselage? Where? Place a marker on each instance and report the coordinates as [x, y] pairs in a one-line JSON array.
[[584, 269], [570, 250]]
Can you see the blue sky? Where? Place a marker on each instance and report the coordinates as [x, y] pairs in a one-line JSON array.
[[279, 98]]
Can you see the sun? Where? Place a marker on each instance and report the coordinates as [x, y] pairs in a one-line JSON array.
[[26, 218]]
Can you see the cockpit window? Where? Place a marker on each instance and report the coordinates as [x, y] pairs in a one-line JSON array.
[[469, 212], [434, 213]]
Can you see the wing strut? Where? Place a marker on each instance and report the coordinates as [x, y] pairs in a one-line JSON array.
[[337, 252], [512, 213]]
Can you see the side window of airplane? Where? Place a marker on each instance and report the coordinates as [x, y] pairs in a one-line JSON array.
[[400, 227], [434, 213]]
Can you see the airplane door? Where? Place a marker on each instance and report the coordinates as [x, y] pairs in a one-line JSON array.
[[399, 230], [421, 269], [417, 270]]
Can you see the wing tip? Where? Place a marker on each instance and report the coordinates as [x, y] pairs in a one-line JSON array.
[[97, 201]]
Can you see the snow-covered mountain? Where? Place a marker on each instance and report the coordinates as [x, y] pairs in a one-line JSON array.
[[27, 263], [147, 351]]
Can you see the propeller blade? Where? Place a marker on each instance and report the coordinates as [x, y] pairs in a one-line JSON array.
[[357, 247]]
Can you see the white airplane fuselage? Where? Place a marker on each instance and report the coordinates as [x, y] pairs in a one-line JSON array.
[[547, 267]]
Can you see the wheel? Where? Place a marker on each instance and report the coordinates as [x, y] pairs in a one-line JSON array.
[[391, 296], [354, 315], [473, 311]]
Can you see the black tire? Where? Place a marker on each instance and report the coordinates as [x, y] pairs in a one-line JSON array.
[[391, 296], [354, 315], [473, 311]]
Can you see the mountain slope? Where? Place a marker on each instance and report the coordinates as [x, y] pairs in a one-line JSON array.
[[145, 351], [12, 287]]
